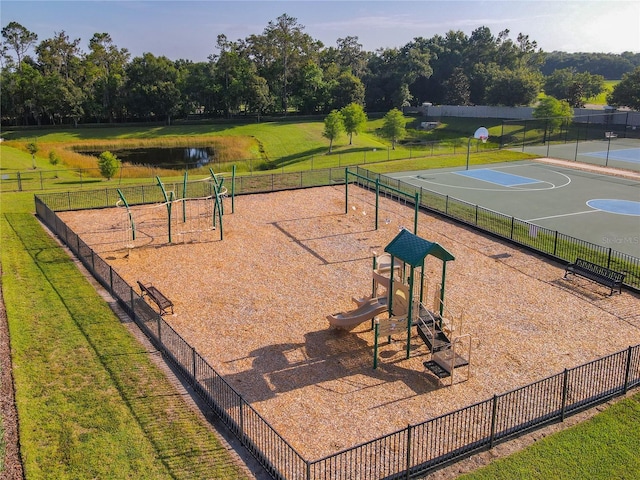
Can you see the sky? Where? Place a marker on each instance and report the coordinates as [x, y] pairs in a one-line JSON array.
[[185, 29]]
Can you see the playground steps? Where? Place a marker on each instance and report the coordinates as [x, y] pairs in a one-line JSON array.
[[443, 362], [432, 335]]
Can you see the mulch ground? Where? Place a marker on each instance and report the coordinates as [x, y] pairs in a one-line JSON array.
[[255, 306]]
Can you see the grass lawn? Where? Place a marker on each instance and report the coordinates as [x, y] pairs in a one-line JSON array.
[[604, 447], [91, 403]]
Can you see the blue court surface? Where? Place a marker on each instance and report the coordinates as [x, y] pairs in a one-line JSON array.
[[631, 155], [590, 206], [498, 178]]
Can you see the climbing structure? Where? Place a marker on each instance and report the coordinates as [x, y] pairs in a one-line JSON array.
[[449, 348]]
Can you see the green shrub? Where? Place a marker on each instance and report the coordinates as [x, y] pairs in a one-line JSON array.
[[108, 164]]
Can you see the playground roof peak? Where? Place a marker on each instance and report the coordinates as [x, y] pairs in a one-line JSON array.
[[412, 249]]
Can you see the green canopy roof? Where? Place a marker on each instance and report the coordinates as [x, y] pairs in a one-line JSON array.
[[412, 249]]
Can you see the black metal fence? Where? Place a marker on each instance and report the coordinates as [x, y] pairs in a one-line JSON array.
[[403, 454]]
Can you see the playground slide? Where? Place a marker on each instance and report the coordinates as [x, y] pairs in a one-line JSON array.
[[353, 318]]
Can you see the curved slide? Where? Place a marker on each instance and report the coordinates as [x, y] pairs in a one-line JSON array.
[[364, 312]]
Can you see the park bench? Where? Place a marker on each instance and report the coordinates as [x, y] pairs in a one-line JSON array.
[[610, 135], [596, 273], [158, 298]]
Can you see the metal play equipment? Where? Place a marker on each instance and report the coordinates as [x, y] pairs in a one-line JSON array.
[[449, 348], [378, 188], [195, 209], [199, 209]]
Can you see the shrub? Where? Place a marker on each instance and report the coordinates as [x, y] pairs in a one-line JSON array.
[[108, 164]]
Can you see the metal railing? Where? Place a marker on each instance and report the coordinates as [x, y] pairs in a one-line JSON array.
[[406, 453]]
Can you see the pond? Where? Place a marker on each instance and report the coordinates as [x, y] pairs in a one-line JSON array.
[[177, 158]]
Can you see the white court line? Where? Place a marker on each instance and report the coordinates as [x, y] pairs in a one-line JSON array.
[[563, 215]]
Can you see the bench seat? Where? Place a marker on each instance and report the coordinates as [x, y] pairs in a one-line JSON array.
[[596, 273], [163, 303]]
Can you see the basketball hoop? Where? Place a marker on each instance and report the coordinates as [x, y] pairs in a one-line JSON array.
[[480, 134]]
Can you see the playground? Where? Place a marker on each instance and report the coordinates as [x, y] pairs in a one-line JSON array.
[[256, 306]]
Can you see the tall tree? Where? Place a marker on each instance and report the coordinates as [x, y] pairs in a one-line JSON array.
[[347, 89], [19, 39], [514, 87], [627, 92], [566, 84], [151, 87], [105, 69], [458, 90], [232, 68], [281, 50]]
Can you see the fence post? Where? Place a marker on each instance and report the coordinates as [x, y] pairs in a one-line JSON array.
[[609, 258], [346, 190], [241, 423], [476, 223], [308, 473], [19, 182], [494, 414], [110, 278], [408, 465], [555, 244], [627, 370], [565, 388], [193, 364], [159, 330], [513, 219]]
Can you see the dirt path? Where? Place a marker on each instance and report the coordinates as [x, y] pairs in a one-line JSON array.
[[11, 464]]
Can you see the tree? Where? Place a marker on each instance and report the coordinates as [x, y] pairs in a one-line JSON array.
[[333, 127], [554, 111], [566, 84], [19, 39], [151, 87], [627, 92], [105, 72], [393, 126], [346, 89], [354, 119], [458, 89], [108, 164], [32, 148], [280, 52], [514, 87]]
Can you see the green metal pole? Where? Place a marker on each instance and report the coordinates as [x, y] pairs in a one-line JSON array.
[[409, 310], [233, 188], [133, 225], [377, 199], [373, 282], [346, 190], [184, 196], [444, 274], [415, 214], [166, 199], [169, 205]]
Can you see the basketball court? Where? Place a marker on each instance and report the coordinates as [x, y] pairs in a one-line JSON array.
[[599, 208], [621, 153]]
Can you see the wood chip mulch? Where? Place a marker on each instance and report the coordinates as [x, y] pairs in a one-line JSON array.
[[255, 306]]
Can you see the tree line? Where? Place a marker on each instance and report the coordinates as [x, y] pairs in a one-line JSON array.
[[279, 71]]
